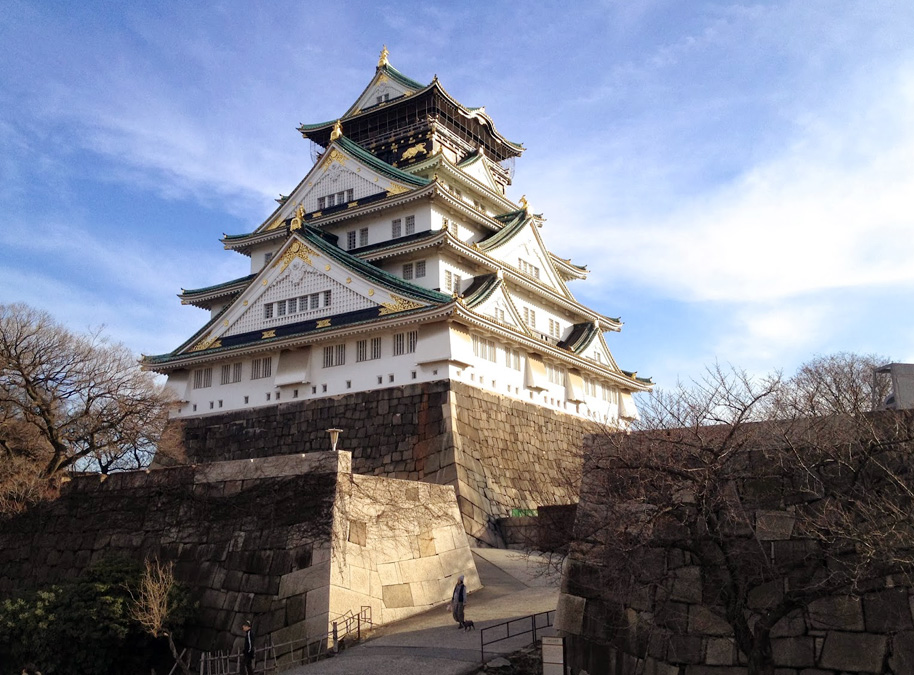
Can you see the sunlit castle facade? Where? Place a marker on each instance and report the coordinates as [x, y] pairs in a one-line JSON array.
[[398, 260]]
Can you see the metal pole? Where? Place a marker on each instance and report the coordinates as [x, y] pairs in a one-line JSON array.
[[335, 641]]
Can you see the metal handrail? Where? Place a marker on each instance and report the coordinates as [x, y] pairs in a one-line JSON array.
[[532, 618], [308, 649]]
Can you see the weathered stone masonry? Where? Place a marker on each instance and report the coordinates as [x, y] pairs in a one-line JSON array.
[[499, 453], [292, 542]]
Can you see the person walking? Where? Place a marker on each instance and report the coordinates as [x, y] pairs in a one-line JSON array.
[[458, 600], [248, 651]]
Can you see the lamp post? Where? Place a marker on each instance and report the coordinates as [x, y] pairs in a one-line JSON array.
[[334, 437]]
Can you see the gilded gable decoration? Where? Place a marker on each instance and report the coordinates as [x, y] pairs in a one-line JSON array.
[[398, 304], [296, 251]]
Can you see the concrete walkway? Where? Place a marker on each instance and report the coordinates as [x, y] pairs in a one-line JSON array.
[[514, 586]]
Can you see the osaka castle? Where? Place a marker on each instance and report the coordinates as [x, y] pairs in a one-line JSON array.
[[399, 259]]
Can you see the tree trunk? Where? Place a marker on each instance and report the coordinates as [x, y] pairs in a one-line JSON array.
[[174, 653], [760, 661]]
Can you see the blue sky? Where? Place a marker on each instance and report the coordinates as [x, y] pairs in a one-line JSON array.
[[739, 178]]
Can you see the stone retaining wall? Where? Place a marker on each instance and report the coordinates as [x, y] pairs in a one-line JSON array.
[[499, 453], [292, 542]]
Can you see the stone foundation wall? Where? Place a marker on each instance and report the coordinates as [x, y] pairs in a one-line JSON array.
[[293, 542], [233, 532], [499, 453]]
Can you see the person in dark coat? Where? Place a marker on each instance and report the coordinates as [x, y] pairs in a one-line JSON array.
[[248, 651], [458, 600]]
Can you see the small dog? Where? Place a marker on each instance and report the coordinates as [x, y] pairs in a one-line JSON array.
[[469, 625]]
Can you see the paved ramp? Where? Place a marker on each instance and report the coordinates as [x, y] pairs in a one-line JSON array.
[[514, 585]]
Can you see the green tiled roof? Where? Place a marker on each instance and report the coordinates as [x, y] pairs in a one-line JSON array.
[[481, 289], [315, 238], [395, 74], [381, 166], [216, 287], [514, 222], [582, 334]]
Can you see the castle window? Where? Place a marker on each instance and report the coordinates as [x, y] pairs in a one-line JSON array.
[[331, 200], [512, 359], [203, 378], [350, 239], [366, 351], [451, 281], [268, 310], [261, 368], [281, 308], [383, 98], [408, 271], [420, 268], [410, 224], [231, 372], [528, 269], [554, 328], [267, 257], [363, 237], [349, 195], [530, 317], [292, 305], [395, 228], [484, 349], [556, 374], [334, 355], [405, 343], [321, 203], [247, 399], [315, 300], [499, 314]]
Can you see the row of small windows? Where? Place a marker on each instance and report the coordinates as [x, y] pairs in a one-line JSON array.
[[303, 303], [368, 350], [527, 268], [231, 373], [334, 199]]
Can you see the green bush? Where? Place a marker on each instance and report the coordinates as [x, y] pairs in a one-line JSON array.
[[83, 627]]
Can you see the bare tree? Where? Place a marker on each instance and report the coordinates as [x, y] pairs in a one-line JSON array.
[[155, 607], [717, 475], [834, 384], [73, 400]]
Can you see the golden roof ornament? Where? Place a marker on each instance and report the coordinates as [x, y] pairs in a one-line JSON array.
[[382, 61], [337, 131], [524, 204]]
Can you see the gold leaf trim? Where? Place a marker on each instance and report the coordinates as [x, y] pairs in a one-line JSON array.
[[268, 334], [396, 189], [323, 323], [296, 250], [398, 304], [207, 343], [336, 156]]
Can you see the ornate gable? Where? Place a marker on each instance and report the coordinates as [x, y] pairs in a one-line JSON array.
[[520, 247], [343, 174], [477, 167], [301, 286]]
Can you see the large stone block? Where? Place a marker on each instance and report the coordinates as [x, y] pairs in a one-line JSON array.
[[303, 581], [902, 658], [773, 525], [853, 652], [704, 621], [796, 652], [887, 611], [842, 612], [398, 596], [569, 615]]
